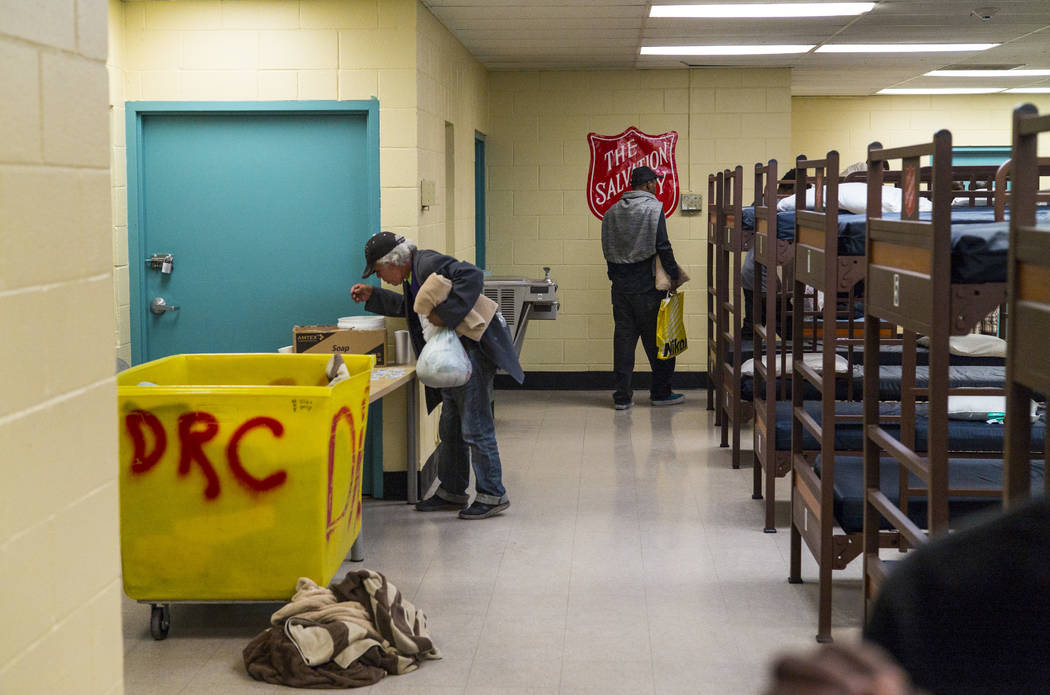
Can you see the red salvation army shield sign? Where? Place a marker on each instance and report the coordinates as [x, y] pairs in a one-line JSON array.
[[613, 157]]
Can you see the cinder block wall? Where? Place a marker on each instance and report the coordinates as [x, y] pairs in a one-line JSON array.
[[850, 124], [269, 50], [538, 159], [59, 557], [452, 88], [314, 49]]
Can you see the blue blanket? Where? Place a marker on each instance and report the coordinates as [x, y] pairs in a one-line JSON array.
[[969, 474]]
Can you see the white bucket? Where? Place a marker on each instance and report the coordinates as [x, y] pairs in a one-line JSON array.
[[363, 323]]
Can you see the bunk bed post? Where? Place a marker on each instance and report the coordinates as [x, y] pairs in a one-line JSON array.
[[797, 384], [722, 296], [756, 340], [1017, 467], [941, 321], [871, 387], [712, 332], [827, 424], [737, 239], [770, 345]]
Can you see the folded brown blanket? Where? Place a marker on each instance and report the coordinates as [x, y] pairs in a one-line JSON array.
[[436, 288], [348, 636]]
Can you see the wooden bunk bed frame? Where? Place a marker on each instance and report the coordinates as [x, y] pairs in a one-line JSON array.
[[1029, 305], [818, 265], [908, 282], [730, 243], [771, 253]]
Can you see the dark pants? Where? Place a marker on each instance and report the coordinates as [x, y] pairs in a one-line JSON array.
[[468, 436], [634, 317]]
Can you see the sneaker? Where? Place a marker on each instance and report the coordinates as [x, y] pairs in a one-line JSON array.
[[623, 406], [480, 510], [437, 504], [672, 399]]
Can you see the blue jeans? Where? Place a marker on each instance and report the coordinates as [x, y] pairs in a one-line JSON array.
[[468, 436]]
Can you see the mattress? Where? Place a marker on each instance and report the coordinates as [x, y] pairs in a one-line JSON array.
[[890, 381], [979, 244], [963, 435], [972, 474], [785, 222], [979, 250], [891, 355]]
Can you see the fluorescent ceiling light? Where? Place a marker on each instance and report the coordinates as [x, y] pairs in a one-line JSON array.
[[942, 90], [903, 47], [722, 50], [1029, 90], [802, 9], [988, 73]]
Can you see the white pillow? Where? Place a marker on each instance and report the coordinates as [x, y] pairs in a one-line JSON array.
[[853, 197], [979, 407], [814, 360], [891, 200], [972, 345], [788, 204]]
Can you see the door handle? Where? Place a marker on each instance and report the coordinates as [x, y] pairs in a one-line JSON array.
[[159, 306]]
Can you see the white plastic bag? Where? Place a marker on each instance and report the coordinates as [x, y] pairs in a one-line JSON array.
[[442, 363]]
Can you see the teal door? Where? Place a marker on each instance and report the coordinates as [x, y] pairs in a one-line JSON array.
[[265, 209]]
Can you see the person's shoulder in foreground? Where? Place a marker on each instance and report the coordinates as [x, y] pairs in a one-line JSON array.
[[970, 612]]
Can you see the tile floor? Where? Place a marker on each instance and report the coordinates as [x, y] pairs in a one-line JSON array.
[[632, 560]]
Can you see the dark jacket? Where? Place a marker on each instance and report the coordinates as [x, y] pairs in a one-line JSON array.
[[467, 285]]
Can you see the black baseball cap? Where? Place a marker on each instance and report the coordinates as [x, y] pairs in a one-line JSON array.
[[377, 246], [642, 175]]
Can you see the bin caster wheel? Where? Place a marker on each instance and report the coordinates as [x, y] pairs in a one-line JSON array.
[[159, 621]]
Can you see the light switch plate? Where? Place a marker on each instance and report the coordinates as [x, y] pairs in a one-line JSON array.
[[427, 193]]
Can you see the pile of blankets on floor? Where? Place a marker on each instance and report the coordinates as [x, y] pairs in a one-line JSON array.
[[349, 636]]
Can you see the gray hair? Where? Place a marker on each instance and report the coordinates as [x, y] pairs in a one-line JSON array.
[[400, 255]]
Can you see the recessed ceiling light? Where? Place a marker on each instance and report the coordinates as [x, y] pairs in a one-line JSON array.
[[988, 73], [1029, 90], [903, 47], [801, 9], [942, 90], [722, 50]]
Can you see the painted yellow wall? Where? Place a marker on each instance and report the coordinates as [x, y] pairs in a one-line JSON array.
[[453, 88], [59, 558], [849, 124], [315, 49], [538, 159], [271, 50]]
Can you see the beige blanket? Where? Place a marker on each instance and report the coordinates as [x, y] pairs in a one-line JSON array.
[[435, 289], [351, 635]]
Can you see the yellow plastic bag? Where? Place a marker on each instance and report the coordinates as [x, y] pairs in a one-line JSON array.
[[670, 327]]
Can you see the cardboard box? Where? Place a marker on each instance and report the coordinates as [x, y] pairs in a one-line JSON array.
[[343, 340]]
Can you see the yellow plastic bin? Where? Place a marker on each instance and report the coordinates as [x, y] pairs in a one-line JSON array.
[[238, 474]]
